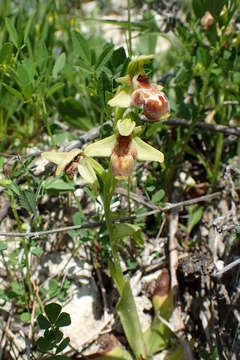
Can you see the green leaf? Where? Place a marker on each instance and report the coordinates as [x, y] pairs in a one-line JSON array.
[[53, 286], [178, 354], [3, 245], [28, 200], [43, 345], [154, 339], [14, 187], [12, 32], [63, 320], [58, 184], [158, 196], [121, 230], [127, 311], [63, 345], [6, 53], [118, 57], [116, 353], [81, 45], [14, 92], [37, 251], [41, 55], [28, 27], [59, 65], [43, 322], [195, 215], [54, 88], [53, 311], [104, 57], [53, 336], [25, 317]]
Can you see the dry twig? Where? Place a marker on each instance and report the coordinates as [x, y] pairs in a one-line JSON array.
[[130, 218]]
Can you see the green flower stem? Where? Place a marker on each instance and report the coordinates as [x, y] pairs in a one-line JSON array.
[[45, 120], [25, 247], [116, 269], [128, 196]]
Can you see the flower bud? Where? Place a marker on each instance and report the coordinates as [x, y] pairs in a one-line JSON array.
[[155, 103], [155, 107], [207, 20]]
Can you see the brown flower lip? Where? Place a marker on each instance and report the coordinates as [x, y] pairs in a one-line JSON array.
[[122, 158], [155, 103], [71, 168]]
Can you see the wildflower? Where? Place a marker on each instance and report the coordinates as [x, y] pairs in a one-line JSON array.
[[72, 161], [124, 147], [154, 101]]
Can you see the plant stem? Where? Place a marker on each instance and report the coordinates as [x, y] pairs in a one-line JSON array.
[[25, 248], [107, 197], [129, 30]]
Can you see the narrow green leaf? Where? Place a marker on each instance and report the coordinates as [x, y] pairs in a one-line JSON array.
[[53, 311], [195, 215], [12, 32], [28, 27], [28, 200], [104, 57], [59, 65], [14, 92], [54, 88], [81, 45], [127, 311]]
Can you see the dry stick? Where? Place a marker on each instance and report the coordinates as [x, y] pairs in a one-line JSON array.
[[136, 198], [5, 209], [173, 255], [228, 130], [94, 133], [100, 223], [4, 337], [228, 268]]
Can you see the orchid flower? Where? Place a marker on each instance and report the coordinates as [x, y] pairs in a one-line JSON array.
[[72, 161], [142, 92], [124, 147]]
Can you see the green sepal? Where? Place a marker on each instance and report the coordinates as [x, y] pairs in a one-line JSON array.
[[136, 66]]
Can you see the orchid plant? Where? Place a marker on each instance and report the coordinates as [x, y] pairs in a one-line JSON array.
[[135, 96]]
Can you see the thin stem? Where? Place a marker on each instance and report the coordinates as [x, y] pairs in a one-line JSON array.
[[45, 120], [24, 244], [128, 196], [129, 30], [107, 197]]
